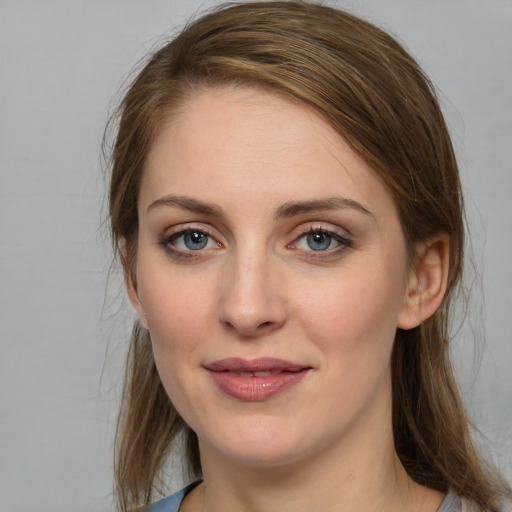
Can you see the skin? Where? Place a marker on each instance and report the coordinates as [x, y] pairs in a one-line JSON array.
[[258, 289]]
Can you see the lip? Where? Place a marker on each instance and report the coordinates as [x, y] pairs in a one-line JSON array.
[[270, 377]]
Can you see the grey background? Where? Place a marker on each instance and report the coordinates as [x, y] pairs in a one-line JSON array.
[[62, 64]]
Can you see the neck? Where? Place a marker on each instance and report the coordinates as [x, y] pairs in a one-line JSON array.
[[335, 480]]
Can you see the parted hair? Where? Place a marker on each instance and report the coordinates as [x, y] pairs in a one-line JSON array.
[[370, 90]]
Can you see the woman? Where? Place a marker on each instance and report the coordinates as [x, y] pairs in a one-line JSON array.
[[286, 205]]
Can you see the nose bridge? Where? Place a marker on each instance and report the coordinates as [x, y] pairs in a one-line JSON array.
[[251, 302]]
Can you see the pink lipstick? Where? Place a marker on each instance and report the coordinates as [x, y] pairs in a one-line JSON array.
[[257, 379]]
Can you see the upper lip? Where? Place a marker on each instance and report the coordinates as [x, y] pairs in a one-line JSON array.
[[261, 364]]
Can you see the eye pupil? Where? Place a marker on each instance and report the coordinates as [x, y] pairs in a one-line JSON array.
[[195, 240], [319, 241]]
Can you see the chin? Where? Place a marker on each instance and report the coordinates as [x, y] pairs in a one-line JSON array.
[[259, 444], [258, 456]]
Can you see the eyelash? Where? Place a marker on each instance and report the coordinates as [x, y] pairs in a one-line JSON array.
[[168, 243], [344, 243]]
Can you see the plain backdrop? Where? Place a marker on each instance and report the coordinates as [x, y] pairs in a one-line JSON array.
[[64, 327]]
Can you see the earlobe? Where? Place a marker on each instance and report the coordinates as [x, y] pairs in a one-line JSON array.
[[131, 289], [427, 283], [131, 286]]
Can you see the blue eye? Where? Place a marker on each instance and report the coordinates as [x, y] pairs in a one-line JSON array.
[[195, 240], [319, 241], [189, 240], [322, 241]]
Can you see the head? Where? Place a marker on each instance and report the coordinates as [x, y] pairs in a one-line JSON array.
[[370, 91], [358, 78]]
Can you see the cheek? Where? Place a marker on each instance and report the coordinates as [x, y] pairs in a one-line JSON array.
[[178, 317], [178, 307], [353, 312]]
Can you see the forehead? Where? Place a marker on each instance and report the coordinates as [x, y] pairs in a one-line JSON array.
[[244, 142]]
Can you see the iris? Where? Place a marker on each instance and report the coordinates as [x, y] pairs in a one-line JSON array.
[[319, 241]]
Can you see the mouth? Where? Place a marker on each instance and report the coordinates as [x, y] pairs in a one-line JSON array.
[[266, 366], [267, 373], [255, 380]]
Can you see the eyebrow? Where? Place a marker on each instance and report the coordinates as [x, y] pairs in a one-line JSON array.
[[187, 203], [286, 210], [331, 203]]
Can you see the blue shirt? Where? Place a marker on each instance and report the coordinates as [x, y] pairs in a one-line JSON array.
[[451, 502]]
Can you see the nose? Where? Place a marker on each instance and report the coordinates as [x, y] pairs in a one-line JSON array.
[[252, 302]]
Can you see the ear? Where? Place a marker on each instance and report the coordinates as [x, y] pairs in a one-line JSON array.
[[130, 282], [427, 281]]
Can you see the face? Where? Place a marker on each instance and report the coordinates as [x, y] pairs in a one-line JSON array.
[[272, 274]]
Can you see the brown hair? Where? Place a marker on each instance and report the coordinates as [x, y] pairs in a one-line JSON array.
[[362, 82]]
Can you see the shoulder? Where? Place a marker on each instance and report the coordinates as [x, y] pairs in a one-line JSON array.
[[169, 504], [454, 503], [172, 503], [469, 506], [506, 504]]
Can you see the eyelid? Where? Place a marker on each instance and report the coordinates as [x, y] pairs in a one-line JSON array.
[[322, 227], [345, 242], [176, 231]]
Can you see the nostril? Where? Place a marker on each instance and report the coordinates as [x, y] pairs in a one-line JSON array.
[[264, 324]]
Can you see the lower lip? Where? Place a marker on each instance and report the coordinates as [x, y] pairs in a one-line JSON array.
[[256, 389]]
